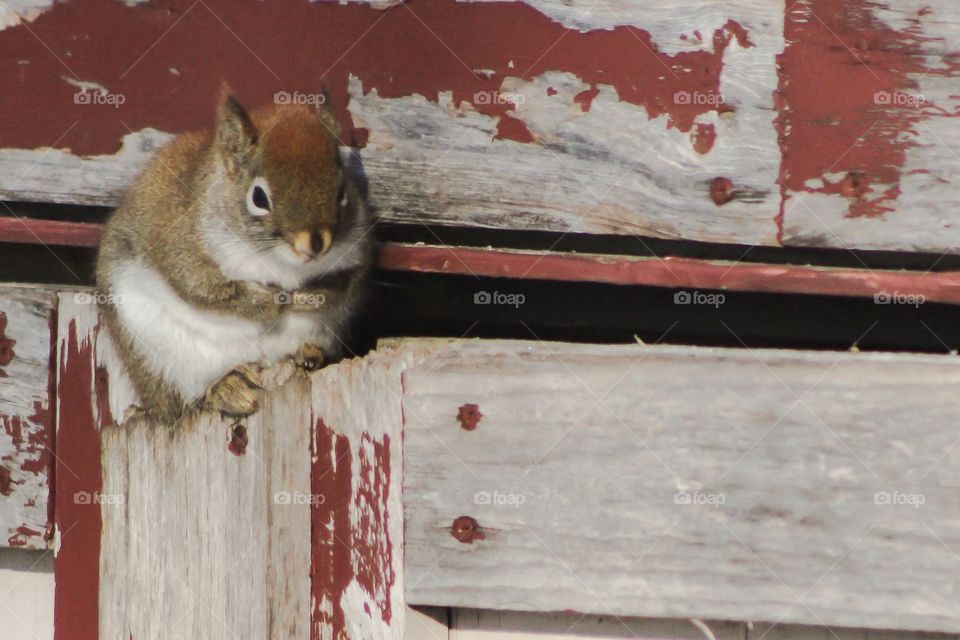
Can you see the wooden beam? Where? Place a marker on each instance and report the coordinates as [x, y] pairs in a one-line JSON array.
[[791, 487], [53, 232], [27, 324], [930, 286], [672, 272]]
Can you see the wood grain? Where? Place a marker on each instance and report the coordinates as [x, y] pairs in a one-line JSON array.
[[26, 414], [217, 542], [683, 482]]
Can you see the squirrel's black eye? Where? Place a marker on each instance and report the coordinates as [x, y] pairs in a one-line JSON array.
[[258, 198], [342, 196]]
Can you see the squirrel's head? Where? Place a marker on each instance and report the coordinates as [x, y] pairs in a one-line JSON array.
[[282, 209]]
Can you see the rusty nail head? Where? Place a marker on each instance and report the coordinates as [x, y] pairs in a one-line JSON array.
[[853, 185], [721, 191], [466, 529], [238, 440], [469, 415]]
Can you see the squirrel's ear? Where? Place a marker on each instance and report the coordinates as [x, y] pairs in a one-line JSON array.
[[236, 135], [325, 114]]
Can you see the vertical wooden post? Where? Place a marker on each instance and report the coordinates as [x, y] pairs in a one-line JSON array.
[[357, 479], [198, 531]]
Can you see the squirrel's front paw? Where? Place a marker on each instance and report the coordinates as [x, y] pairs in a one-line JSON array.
[[238, 393], [309, 356]]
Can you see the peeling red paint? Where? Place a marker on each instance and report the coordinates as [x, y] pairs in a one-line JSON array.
[[19, 539], [846, 80], [703, 138], [6, 345], [402, 53], [29, 437], [5, 481], [77, 563], [373, 551], [510, 128], [585, 98], [344, 551]]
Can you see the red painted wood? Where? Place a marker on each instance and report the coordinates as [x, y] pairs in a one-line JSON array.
[[842, 74], [77, 513], [670, 272], [53, 232], [941, 286], [351, 540], [402, 51]]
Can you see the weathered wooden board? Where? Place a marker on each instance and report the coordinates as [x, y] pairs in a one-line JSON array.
[[683, 482], [26, 594], [218, 542], [824, 123], [868, 107], [202, 531], [438, 623], [357, 477], [621, 119], [26, 415]]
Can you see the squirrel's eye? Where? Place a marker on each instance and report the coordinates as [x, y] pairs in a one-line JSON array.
[[258, 198], [342, 196]]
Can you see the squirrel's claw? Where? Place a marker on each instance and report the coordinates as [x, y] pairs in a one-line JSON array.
[[309, 356], [238, 393]]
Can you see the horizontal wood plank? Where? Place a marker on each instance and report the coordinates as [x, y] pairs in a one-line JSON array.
[[792, 487]]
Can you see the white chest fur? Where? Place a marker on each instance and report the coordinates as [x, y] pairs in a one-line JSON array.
[[192, 348]]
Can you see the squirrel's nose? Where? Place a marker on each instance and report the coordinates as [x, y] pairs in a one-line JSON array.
[[312, 243]]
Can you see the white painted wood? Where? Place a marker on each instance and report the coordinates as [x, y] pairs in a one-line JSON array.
[[800, 487], [199, 542], [13, 12], [26, 595], [25, 413], [54, 175]]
